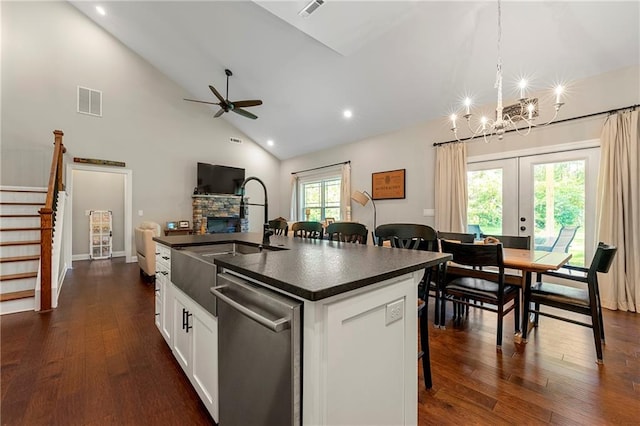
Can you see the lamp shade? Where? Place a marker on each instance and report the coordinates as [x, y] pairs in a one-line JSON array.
[[360, 198]]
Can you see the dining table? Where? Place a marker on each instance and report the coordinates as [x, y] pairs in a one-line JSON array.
[[525, 263]]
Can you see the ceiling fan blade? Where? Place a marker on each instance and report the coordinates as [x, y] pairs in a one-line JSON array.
[[218, 95], [219, 113], [202, 102], [244, 104], [244, 113]]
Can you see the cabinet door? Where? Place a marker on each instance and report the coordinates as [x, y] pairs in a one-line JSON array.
[[158, 313], [182, 338], [205, 359], [363, 334], [166, 309]]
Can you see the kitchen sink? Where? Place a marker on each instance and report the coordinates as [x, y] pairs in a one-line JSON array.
[[234, 249], [193, 270]]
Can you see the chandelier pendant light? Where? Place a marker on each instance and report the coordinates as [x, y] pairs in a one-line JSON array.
[[507, 118]]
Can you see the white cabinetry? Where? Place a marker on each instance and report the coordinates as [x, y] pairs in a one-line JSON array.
[[164, 308], [195, 346], [360, 361]]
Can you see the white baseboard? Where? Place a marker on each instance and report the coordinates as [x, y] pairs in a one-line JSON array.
[[85, 256]]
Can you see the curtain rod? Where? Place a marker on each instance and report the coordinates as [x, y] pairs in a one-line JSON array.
[[555, 122], [321, 167]]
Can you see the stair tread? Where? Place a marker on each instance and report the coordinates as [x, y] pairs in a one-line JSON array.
[[19, 243], [19, 258], [37, 191], [31, 228], [18, 276], [17, 295]]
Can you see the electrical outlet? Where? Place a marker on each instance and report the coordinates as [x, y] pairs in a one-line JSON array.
[[395, 311]]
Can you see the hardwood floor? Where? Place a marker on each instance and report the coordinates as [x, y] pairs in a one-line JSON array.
[[99, 359]]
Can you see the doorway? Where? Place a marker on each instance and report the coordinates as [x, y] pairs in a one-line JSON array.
[[126, 205], [537, 195]]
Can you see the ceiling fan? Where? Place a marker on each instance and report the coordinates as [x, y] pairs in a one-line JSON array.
[[226, 105]]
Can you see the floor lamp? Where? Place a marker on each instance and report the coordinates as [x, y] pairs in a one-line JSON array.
[[363, 198]]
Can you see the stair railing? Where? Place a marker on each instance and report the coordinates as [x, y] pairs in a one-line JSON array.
[[46, 220]]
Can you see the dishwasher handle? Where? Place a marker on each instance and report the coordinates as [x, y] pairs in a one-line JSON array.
[[278, 325]]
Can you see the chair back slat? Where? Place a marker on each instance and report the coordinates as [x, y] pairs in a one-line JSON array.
[[456, 236], [603, 258], [348, 232], [308, 230], [474, 254], [511, 241], [279, 227], [408, 236]]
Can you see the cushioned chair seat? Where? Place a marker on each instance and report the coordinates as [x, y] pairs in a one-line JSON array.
[[479, 287], [561, 294], [146, 247]]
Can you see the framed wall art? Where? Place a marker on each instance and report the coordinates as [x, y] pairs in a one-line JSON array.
[[388, 185]]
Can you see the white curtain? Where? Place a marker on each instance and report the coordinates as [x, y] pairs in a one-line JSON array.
[[345, 196], [451, 187], [618, 210], [293, 217]]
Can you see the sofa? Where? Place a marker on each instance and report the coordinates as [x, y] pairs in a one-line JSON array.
[[146, 248]]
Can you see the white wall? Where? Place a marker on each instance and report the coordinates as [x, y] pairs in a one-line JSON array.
[[48, 49], [412, 148], [97, 191]]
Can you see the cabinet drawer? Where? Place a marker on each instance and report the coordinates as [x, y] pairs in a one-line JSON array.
[[163, 255]]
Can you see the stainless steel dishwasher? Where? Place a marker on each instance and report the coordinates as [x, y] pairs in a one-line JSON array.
[[259, 334]]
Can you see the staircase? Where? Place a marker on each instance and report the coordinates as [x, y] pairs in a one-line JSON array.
[[19, 247]]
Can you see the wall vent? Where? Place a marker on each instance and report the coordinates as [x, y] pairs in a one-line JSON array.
[[89, 101], [310, 8], [235, 140]]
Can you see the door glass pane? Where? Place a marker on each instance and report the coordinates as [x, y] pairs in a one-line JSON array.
[[559, 200], [485, 200]]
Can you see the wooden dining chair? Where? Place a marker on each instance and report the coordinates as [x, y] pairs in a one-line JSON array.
[[348, 232], [312, 230], [279, 227], [584, 299], [489, 288], [415, 237]]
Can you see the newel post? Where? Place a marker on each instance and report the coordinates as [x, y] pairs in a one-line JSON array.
[[46, 239]]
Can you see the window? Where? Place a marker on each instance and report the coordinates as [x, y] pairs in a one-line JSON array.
[[320, 199]]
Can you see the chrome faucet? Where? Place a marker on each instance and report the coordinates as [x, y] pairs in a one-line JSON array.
[[266, 231]]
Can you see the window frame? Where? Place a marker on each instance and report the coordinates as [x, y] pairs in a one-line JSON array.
[[323, 180]]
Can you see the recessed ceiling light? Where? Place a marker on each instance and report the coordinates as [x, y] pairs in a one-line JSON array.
[[101, 10], [347, 113], [270, 142]]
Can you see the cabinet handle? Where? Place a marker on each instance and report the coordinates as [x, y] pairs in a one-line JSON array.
[[188, 326], [184, 315], [157, 253], [157, 314]]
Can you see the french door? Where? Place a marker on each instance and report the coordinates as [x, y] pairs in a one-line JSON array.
[[537, 195]]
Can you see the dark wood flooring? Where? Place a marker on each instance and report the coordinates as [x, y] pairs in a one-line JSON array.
[[99, 359]]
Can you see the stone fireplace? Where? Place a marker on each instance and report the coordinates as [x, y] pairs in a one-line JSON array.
[[218, 213]]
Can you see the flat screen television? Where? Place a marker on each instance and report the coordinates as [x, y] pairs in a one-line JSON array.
[[213, 179]]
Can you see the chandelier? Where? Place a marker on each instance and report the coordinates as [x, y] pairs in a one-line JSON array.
[[507, 117]]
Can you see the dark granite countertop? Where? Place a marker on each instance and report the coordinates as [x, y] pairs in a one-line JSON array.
[[313, 269]]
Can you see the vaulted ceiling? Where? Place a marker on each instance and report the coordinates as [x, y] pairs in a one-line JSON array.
[[393, 63]]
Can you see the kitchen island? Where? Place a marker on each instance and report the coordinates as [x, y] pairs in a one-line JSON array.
[[359, 328]]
